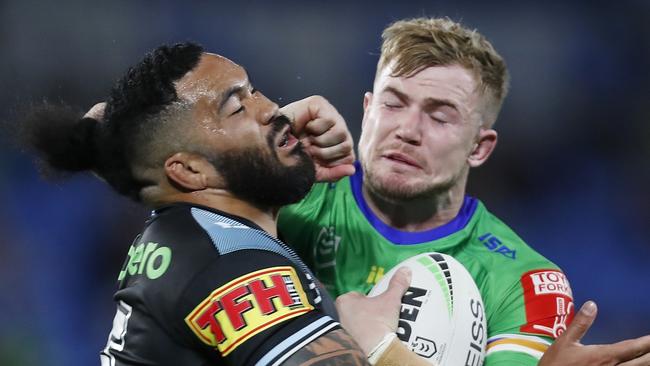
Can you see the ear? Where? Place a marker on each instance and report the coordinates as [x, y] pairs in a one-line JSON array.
[[367, 100], [192, 172], [485, 143]]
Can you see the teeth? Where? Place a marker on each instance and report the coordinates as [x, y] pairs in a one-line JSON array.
[[285, 140]]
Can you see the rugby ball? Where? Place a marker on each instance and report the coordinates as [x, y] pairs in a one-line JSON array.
[[442, 317]]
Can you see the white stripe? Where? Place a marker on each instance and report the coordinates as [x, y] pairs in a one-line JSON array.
[[514, 348], [303, 343], [519, 336], [282, 346]]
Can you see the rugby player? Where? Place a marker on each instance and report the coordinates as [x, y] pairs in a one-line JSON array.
[[430, 119], [207, 282]]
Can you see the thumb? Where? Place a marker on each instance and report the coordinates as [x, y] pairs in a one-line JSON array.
[[582, 322], [397, 286], [333, 174]]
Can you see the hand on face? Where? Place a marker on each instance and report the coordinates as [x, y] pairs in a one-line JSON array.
[[324, 135], [568, 351], [369, 319]]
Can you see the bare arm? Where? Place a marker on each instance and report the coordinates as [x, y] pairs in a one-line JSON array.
[[338, 347], [334, 348]]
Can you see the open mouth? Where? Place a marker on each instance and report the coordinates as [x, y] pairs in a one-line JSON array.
[[287, 139]]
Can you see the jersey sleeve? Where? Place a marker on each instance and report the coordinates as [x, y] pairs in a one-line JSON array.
[[535, 310], [253, 306]]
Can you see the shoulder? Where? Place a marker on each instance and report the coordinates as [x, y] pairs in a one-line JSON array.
[[512, 251]]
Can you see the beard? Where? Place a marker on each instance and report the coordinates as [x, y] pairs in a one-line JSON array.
[[256, 174], [395, 189]]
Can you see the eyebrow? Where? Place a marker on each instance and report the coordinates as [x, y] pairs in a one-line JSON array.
[[427, 101], [233, 90]]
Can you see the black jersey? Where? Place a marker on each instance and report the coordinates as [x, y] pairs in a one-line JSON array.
[[201, 287]]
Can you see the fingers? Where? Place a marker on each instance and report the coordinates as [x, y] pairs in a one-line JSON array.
[[632, 349], [335, 173], [321, 124], [581, 323], [324, 132], [325, 137], [398, 285], [305, 110], [329, 155], [641, 361]]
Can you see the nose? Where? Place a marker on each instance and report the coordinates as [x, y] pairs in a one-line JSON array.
[[267, 110], [408, 129]]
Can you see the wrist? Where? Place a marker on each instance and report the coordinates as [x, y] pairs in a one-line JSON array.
[[378, 350]]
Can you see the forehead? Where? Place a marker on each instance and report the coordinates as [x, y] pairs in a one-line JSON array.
[[212, 76], [450, 81]]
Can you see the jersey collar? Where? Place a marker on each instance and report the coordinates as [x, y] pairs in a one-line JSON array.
[[407, 237]]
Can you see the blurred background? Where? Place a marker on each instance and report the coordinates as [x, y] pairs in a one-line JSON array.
[[571, 173]]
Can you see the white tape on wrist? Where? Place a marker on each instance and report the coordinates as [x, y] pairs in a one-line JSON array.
[[375, 353]]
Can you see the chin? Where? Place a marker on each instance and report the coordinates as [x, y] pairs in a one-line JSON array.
[[290, 161], [398, 188]]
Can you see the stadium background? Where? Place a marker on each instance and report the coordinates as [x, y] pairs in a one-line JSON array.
[[570, 175]]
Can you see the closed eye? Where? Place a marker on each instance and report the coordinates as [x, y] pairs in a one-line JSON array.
[[438, 119], [392, 105], [241, 109]]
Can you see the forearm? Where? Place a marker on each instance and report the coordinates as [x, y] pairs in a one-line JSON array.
[[335, 348]]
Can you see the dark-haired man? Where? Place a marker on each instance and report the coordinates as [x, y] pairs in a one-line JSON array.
[[207, 281]]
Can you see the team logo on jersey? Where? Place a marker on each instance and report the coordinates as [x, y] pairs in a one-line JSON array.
[[549, 302], [244, 307], [327, 243]]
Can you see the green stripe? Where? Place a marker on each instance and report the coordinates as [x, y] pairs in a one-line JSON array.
[[433, 267]]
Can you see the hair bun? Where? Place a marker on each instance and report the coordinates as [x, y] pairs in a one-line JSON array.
[[60, 137]]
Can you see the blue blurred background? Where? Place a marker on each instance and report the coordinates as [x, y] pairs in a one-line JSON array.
[[571, 173]]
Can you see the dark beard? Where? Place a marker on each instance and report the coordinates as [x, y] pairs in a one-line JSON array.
[[257, 175]]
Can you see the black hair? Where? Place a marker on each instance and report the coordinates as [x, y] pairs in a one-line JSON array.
[[69, 143]]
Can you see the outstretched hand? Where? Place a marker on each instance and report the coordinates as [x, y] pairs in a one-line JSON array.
[[568, 351], [369, 319], [324, 135]]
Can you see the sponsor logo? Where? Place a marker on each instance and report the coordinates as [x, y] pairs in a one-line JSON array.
[[475, 351], [149, 259], [549, 302], [246, 306], [494, 244], [551, 282], [375, 274], [411, 304]]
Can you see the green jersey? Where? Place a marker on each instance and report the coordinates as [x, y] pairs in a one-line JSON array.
[[528, 300]]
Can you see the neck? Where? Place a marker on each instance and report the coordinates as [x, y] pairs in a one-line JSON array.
[[224, 201], [420, 214]]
